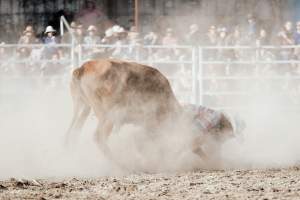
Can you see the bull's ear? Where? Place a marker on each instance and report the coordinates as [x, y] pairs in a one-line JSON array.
[[76, 73]]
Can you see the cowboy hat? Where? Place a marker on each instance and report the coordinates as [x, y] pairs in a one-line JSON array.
[[49, 29]]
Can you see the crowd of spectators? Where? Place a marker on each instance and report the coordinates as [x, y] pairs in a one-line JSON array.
[[127, 43], [112, 40]]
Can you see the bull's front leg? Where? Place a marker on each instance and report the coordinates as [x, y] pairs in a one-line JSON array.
[[211, 157], [102, 134], [197, 143], [101, 138]]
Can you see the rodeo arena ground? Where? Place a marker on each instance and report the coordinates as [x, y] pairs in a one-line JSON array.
[[139, 99]]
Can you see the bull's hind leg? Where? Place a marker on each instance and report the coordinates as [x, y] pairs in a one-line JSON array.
[[80, 115], [81, 111]]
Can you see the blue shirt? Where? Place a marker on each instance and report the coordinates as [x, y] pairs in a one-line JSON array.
[[297, 38]]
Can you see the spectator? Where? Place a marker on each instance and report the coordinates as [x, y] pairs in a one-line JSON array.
[[235, 39], [262, 39], [28, 37], [297, 34], [222, 41], [297, 42], [115, 35], [211, 36], [264, 54], [193, 37], [210, 40], [50, 40], [251, 29], [92, 36], [134, 42], [53, 67], [79, 34], [4, 65], [8, 32], [109, 37], [169, 39], [67, 37], [286, 37], [151, 38], [91, 39]]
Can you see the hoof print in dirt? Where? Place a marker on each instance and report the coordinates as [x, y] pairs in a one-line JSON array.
[[60, 185], [23, 183], [58, 196], [2, 187]]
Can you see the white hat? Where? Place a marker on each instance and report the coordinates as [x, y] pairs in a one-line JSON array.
[[109, 32], [92, 28], [49, 29], [117, 29]]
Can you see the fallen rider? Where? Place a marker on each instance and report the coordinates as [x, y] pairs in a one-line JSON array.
[[211, 129]]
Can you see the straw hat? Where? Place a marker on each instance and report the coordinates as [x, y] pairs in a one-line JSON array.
[[50, 29]]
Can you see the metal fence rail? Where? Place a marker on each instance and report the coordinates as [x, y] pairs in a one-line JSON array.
[[190, 66]]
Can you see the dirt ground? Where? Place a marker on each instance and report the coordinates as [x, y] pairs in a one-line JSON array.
[[232, 184]]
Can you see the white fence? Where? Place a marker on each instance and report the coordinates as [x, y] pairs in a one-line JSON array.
[[249, 73], [211, 76]]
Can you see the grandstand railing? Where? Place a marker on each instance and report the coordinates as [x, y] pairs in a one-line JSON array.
[[255, 61], [196, 59]]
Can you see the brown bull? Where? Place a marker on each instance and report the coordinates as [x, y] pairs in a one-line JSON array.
[[122, 92]]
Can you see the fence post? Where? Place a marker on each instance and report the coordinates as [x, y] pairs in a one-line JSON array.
[[73, 52], [137, 52], [79, 54], [257, 54], [61, 23], [200, 75], [150, 54], [194, 78]]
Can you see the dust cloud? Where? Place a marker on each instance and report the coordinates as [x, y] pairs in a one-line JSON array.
[[271, 137], [34, 121]]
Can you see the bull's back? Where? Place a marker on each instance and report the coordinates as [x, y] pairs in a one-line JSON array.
[[119, 83]]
